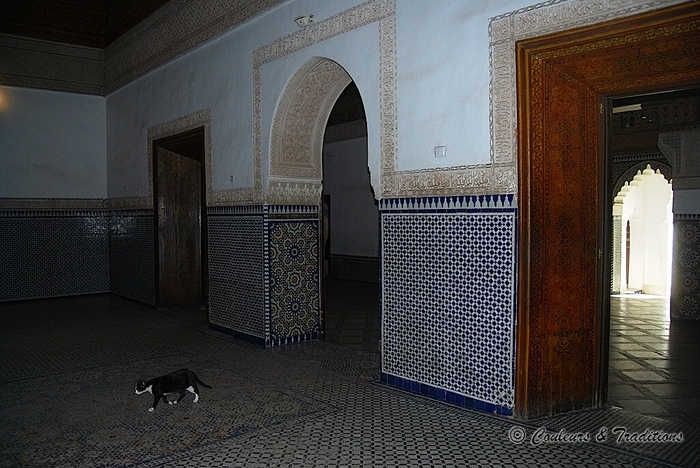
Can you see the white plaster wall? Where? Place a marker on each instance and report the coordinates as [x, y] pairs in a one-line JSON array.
[[443, 80], [354, 212], [442, 89], [52, 144], [219, 76], [657, 200]]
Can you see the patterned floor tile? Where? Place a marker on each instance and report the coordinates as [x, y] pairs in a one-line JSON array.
[[68, 400]]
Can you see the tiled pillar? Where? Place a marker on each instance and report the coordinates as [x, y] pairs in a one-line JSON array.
[[685, 293], [682, 149], [616, 273], [264, 273], [293, 274]]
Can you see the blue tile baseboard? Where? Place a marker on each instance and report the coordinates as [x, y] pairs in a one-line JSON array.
[[292, 339], [443, 395], [245, 337]]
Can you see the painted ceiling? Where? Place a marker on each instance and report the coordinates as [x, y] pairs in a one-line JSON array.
[[90, 23]]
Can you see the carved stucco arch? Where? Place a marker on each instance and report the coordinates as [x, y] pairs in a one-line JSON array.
[[296, 139], [632, 171]]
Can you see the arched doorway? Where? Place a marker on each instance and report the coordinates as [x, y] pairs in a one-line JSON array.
[[565, 84], [350, 237], [643, 235], [295, 181]]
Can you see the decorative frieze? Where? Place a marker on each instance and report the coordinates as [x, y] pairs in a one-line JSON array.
[[293, 192], [36, 204], [35, 63], [177, 27]]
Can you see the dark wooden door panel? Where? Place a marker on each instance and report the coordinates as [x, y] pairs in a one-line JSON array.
[[178, 197]]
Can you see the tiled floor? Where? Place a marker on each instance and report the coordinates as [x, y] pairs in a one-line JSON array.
[[352, 314], [653, 361], [69, 365]]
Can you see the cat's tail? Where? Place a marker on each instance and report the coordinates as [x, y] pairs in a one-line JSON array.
[[201, 383]]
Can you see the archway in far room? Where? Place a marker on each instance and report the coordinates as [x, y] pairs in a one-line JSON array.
[[643, 235]]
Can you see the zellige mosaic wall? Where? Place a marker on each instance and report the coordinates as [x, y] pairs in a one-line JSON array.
[[447, 304]]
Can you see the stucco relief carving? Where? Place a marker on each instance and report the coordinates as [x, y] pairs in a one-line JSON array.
[[299, 124], [388, 136], [297, 162], [179, 26], [294, 192], [468, 180]]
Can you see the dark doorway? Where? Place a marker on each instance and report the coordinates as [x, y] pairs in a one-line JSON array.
[[180, 212], [349, 241]]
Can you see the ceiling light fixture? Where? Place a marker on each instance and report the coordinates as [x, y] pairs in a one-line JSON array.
[[304, 21], [630, 108]]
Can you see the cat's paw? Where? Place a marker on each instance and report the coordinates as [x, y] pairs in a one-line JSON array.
[[151, 409], [171, 403]]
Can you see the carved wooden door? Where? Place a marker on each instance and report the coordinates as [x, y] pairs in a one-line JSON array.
[[563, 83]]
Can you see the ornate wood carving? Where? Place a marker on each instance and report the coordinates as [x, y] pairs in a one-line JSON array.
[[563, 80]]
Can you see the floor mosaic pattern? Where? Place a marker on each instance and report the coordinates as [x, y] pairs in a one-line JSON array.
[[69, 367]]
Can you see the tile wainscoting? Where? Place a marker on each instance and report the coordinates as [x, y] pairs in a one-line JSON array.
[[53, 253], [448, 298], [264, 273], [131, 255]]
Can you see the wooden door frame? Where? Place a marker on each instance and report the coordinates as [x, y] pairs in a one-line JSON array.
[[189, 143], [561, 357]]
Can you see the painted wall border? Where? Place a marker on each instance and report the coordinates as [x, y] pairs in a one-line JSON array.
[[35, 63], [50, 204], [174, 29]]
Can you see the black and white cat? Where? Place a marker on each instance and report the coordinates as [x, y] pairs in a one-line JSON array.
[[175, 382]]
